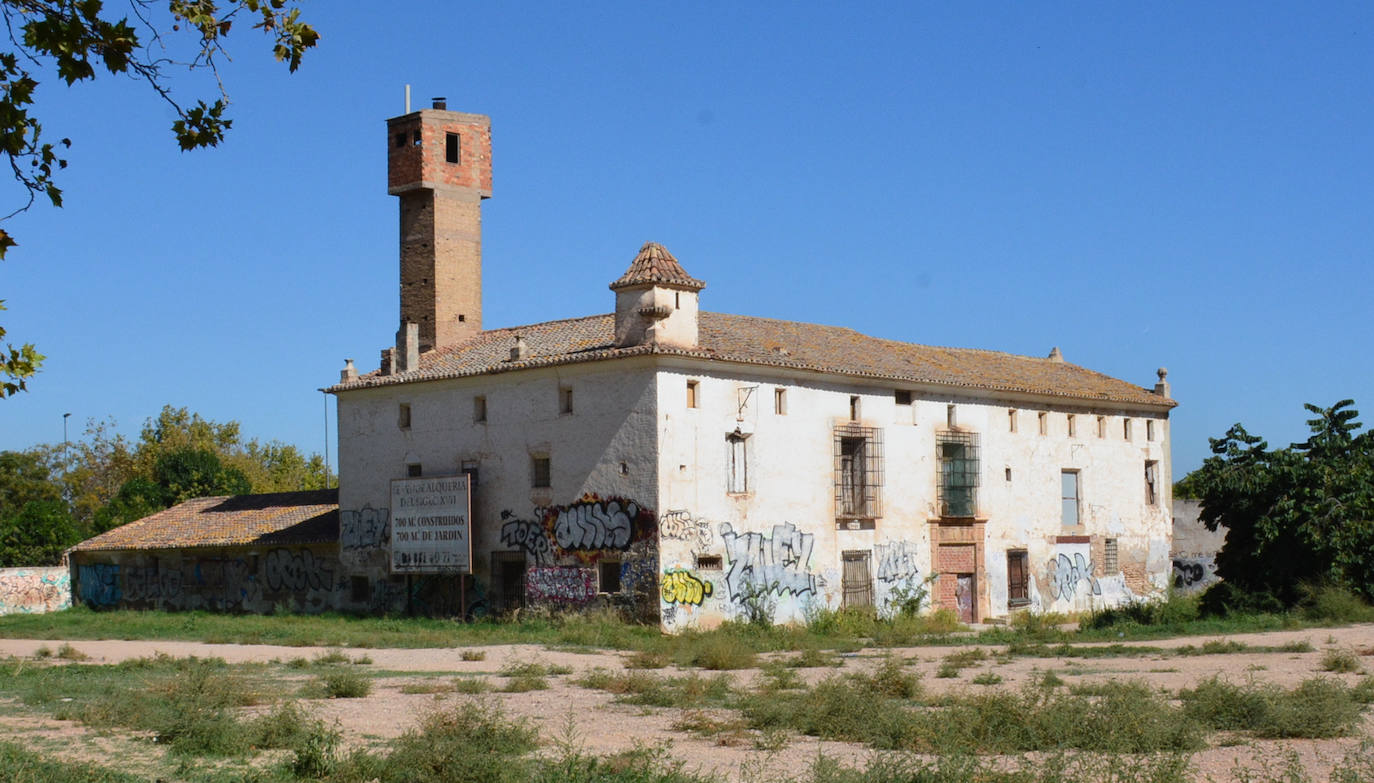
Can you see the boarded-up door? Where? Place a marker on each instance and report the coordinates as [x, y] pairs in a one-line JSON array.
[[858, 581], [963, 597]]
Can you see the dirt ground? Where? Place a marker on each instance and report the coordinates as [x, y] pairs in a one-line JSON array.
[[589, 718]]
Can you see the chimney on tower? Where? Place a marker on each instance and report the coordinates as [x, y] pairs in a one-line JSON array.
[[439, 165]]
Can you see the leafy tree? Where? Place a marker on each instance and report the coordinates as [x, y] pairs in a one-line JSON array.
[[177, 476], [38, 534], [1294, 516], [97, 470], [77, 39], [35, 525]]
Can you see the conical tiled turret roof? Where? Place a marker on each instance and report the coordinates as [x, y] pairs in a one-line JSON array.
[[656, 266]]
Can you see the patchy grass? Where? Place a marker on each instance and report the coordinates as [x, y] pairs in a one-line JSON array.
[[524, 683], [647, 660], [988, 678], [1120, 718], [470, 685], [427, 686], [1316, 708], [69, 653], [21, 765], [533, 669], [473, 655]]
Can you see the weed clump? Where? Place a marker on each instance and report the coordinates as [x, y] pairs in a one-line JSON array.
[[345, 684], [1341, 662], [1315, 709]]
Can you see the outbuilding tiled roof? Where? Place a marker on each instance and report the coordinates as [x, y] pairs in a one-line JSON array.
[[277, 518], [655, 265], [767, 342]]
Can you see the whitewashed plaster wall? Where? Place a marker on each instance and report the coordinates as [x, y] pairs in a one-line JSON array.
[[605, 447], [790, 504]]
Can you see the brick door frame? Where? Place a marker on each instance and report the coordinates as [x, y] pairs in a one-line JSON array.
[[947, 536]]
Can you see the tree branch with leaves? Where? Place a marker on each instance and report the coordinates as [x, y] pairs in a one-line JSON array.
[[80, 39]]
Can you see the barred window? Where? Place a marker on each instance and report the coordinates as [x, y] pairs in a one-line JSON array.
[[1110, 564], [858, 472], [541, 472], [958, 488], [1018, 577]]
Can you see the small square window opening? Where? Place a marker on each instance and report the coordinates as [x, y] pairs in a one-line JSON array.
[[1126, 429], [951, 420], [1011, 420], [403, 416], [1151, 482], [416, 139], [1044, 420], [414, 470], [452, 147], [565, 399], [479, 409], [609, 573], [1101, 426], [854, 408], [693, 390], [1149, 430], [780, 402], [1110, 563], [540, 472], [1072, 424], [902, 397]]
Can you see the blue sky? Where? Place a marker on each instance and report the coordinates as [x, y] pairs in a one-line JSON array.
[[1158, 185]]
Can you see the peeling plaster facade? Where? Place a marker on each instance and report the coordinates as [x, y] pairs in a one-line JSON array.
[[630, 461]]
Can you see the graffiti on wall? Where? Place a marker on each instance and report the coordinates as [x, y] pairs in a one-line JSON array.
[[34, 590], [99, 584], [1194, 573], [1067, 575], [561, 584], [149, 583], [681, 526], [365, 528], [760, 565], [527, 536], [585, 529], [297, 570], [896, 561], [595, 525], [683, 587]]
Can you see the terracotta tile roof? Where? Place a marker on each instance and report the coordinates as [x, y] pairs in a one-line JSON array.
[[655, 264], [276, 518], [765, 341]]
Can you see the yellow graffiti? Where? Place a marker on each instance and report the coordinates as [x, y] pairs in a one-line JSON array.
[[681, 587]]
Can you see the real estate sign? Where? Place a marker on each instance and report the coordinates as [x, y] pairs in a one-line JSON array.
[[430, 531]]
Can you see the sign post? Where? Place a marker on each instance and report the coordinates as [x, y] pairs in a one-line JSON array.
[[430, 526]]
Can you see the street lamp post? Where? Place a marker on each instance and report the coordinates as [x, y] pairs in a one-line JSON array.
[[65, 416]]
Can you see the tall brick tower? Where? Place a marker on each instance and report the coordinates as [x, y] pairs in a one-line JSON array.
[[439, 164]]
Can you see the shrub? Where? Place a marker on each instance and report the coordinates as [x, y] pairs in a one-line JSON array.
[[891, 679], [345, 684], [473, 742], [524, 683], [1341, 662], [987, 678], [473, 655], [470, 685], [1172, 610]]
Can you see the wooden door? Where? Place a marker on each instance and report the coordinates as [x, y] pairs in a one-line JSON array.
[[858, 580]]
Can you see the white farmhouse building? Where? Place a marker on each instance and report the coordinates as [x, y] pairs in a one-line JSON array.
[[684, 463]]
